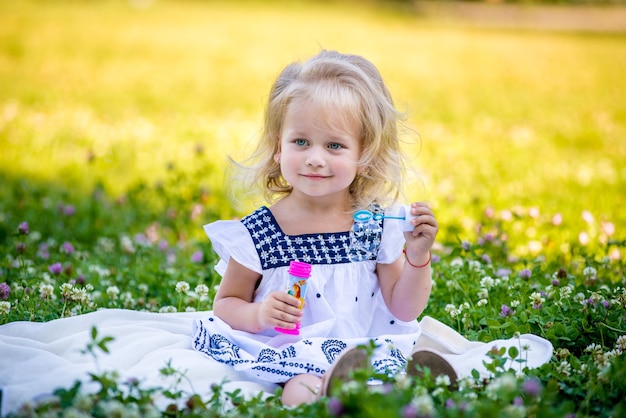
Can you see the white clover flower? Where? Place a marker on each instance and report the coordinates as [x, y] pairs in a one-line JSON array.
[[593, 348], [579, 297], [566, 291], [127, 244], [449, 308], [536, 298], [589, 272], [482, 302], [515, 303], [143, 288], [487, 282], [464, 306], [442, 380], [620, 344], [106, 244], [182, 287], [113, 292], [190, 309], [168, 309], [66, 290], [474, 265], [79, 295], [46, 291], [424, 405], [5, 307], [483, 294], [457, 262], [564, 368], [202, 289], [89, 287]]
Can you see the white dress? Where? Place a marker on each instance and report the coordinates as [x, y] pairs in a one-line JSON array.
[[343, 303]]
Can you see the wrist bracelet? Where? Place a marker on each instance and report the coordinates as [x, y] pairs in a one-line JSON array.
[[430, 256]]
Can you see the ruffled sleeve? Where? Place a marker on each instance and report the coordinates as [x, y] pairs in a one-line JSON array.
[[232, 239], [391, 243]]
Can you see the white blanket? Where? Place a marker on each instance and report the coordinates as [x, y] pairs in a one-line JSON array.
[[36, 358]]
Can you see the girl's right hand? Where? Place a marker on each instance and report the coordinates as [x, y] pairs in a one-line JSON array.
[[280, 309]]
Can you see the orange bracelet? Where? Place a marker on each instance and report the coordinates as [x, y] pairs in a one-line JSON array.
[[430, 256]]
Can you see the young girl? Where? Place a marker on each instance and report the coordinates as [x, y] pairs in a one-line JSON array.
[[329, 148]]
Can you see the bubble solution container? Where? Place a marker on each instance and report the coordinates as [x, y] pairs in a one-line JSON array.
[[299, 274]]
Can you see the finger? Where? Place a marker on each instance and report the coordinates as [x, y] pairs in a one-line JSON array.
[[287, 299]]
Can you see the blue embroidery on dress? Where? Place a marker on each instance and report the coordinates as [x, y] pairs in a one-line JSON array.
[[277, 249], [332, 348]]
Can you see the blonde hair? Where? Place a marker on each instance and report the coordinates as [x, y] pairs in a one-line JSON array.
[[354, 85]]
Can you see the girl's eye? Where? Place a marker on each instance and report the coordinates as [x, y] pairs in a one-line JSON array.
[[334, 146], [301, 142]]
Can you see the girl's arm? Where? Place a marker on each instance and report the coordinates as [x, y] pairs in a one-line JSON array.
[[234, 303], [406, 288]]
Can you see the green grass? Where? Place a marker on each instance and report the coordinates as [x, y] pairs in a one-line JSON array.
[[126, 114]]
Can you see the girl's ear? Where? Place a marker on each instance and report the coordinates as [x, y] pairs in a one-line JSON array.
[[278, 151]]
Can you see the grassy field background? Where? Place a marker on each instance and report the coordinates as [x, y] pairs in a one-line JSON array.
[[119, 92]]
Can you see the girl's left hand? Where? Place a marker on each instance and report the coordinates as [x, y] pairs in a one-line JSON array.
[[421, 239]]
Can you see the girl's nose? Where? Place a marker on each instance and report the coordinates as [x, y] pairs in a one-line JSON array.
[[315, 158]]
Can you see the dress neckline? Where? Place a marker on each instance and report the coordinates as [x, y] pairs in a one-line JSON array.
[[312, 234]]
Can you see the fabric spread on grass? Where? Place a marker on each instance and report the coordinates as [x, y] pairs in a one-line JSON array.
[[37, 358]]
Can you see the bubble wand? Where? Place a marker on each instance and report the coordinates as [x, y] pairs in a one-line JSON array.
[[404, 214]]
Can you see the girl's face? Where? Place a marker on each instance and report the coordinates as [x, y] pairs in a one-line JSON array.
[[319, 150]]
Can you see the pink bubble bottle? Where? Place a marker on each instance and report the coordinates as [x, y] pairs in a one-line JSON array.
[[299, 274]]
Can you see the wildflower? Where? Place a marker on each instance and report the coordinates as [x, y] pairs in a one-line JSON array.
[[56, 268], [409, 411], [608, 228], [487, 282], [443, 380], [525, 274], [197, 257], [46, 291], [532, 387], [620, 344], [68, 210], [167, 309], [557, 219], [424, 405], [537, 300], [482, 302], [20, 247], [22, 228], [335, 407], [182, 287], [506, 311], [590, 272], [564, 368], [66, 291], [486, 259], [113, 292], [466, 245], [67, 248], [583, 238], [80, 295], [5, 307], [588, 217], [127, 245], [4, 291], [202, 289]]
